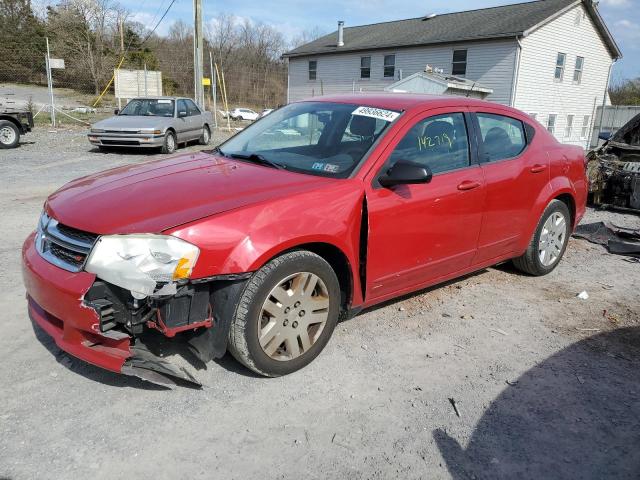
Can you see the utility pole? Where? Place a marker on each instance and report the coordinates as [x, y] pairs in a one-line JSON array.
[[121, 35], [198, 53], [50, 84], [213, 92]]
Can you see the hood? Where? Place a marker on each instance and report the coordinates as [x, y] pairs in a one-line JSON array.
[[629, 133], [155, 196], [120, 122]]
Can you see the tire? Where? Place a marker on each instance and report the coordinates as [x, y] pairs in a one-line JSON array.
[[533, 261], [300, 336], [206, 136], [9, 134], [170, 144]]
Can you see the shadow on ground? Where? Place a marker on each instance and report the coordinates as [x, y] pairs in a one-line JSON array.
[[575, 415]]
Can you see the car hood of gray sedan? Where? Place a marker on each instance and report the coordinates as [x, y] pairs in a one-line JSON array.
[[131, 122]]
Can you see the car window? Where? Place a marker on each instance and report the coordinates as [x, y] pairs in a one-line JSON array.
[[319, 138], [192, 108], [439, 142], [182, 106], [502, 137], [300, 130], [149, 107]]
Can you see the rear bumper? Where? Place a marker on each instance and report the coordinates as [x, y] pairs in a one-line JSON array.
[[55, 303]]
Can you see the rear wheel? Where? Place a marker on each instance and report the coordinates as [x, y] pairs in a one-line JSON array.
[[9, 134], [549, 241], [170, 143], [286, 314]]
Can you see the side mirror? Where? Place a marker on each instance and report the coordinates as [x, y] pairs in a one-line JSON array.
[[182, 114], [116, 112], [404, 173]]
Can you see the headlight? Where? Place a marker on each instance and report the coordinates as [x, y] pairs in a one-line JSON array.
[[151, 131], [97, 130], [139, 262]]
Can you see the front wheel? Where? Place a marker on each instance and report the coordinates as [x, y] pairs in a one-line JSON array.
[[205, 137], [549, 241], [170, 142], [9, 134], [286, 314]]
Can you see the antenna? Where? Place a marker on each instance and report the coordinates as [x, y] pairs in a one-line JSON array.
[[471, 89]]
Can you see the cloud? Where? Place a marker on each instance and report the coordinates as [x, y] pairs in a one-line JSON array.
[[627, 29], [616, 3], [149, 20]]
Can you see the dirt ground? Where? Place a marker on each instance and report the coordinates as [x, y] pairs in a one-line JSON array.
[[546, 385]]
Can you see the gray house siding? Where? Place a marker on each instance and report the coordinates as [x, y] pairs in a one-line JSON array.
[[490, 63]]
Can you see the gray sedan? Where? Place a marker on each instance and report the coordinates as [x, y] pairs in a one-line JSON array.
[[160, 122]]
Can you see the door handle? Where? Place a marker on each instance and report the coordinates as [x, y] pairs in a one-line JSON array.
[[537, 168], [468, 185]]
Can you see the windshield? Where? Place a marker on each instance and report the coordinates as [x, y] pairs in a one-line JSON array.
[[320, 138], [149, 107]]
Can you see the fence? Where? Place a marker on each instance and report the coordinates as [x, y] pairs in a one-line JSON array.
[[611, 119]]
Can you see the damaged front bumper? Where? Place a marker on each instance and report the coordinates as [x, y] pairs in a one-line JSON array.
[[100, 323]]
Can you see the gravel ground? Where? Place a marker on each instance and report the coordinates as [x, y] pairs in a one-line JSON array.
[[545, 384]]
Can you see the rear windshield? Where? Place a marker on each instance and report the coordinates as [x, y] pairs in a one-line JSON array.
[[318, 138], [149, 107]]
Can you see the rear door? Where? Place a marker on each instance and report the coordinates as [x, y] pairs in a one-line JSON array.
[[515, 176], [420, 234], [195, 120]]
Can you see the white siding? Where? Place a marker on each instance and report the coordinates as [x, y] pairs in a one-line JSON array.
[[538, 92], [489, 63]]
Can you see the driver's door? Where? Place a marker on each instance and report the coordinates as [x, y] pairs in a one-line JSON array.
[[423, 233]]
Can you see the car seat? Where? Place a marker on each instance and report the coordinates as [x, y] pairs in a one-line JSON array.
[[497, 144]]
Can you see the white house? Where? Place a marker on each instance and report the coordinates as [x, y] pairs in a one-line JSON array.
[[549, 58]]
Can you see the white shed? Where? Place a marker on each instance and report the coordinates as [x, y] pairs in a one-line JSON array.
[[439, 84]]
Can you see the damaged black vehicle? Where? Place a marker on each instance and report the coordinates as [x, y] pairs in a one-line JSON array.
[[613, 170]]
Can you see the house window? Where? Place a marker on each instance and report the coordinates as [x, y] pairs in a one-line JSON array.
[[389, 66], [585, 126], [577, 73], [313, 69], [551, 122], [459, 64], [560, 62], [568, 128], [365, 67]]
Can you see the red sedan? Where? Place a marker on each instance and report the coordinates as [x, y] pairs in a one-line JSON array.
[[315, 211]]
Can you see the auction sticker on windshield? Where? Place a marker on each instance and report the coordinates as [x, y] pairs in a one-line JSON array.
[[379, 113]]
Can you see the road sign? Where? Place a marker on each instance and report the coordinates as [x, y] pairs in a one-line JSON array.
[[56, 63]]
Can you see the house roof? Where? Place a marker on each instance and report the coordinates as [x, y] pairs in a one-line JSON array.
[[483, 24]]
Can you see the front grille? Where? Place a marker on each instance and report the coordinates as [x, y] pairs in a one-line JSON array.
[[63, 246]]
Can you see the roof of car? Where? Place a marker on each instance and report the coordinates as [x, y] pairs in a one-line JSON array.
[[481, 24], [149, 97], [404, 101]]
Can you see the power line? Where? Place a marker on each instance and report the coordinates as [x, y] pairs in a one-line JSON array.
[[159, 21]]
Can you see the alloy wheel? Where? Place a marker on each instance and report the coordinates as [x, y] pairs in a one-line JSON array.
[[552, 239], [293, 316]]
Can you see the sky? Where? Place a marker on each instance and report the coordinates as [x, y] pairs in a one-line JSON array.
[[292, 17]]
